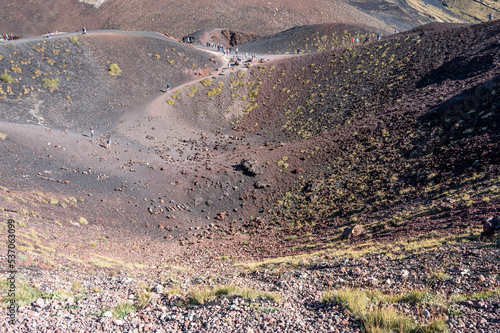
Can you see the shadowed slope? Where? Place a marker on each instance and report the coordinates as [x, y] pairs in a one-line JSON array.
[[391, 135]]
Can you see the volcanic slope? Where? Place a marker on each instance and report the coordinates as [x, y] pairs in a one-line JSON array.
[[400, 136], [312, 38], [28, 18], [378, 134], [53, 90], [67, 79]]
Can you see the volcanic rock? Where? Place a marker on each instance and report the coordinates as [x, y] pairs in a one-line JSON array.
[[251, 167], [353, 232]]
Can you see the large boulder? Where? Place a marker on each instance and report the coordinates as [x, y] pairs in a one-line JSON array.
[[251, 167], [491, 225], [353, 232]]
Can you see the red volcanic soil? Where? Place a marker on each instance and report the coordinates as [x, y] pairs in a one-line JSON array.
[[400, 136], [370, 164], [384, 134], [178, 19]]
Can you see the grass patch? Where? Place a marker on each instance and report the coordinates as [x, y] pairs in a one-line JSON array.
[[477, 295], [52, 84], [364, 305], [83, 220], [25, 293], [438, 275], [143, 299], [417, 297], [173, 291], [74, 40], [201, 296], [3, 136], [123, 309]]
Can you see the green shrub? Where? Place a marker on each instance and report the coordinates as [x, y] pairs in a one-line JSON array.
[[6, 78], [74, 40], [3, 136], [52, 84], [170, 102], [206, 82], [114, 70]]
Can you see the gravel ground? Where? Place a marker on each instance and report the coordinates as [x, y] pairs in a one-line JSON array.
[[466, 269]]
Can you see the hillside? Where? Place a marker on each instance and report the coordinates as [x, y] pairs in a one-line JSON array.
[[29, 18], [377, 131], [80, 67], [346, 188], [312, 38]]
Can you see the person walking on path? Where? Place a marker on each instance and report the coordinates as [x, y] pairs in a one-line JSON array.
[[378, 37], [91, 132], [168, 87], [491, 16], [108, 142], [84, 31]]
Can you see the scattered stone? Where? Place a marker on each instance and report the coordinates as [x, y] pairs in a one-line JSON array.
[[261, 184]]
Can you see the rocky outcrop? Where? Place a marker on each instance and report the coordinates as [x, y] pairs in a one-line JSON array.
[[251, 167]]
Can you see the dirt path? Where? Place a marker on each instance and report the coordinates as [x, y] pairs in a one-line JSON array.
[[57, 35]]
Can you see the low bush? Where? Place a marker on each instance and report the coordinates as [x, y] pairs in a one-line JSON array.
[[6, 78], [114, 70], [52, 84]]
